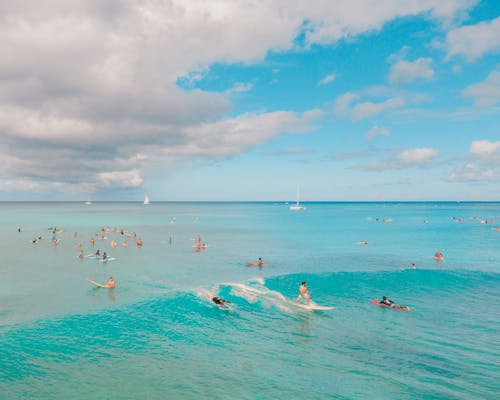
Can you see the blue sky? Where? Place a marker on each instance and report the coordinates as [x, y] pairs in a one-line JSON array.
[[226, 100]]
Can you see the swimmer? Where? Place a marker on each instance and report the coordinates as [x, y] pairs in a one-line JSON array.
[[260, 263], [438, 255], [362, 242], [81, 255], [304, 293], [111, 283], [414, 266]]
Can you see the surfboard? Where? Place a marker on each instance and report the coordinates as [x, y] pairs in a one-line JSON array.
[[313, 306], [398, 307], [439, 258], [107, 259], [97, 284]]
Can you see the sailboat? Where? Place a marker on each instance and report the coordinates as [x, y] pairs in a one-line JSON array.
[[146, 199], [297, 206]]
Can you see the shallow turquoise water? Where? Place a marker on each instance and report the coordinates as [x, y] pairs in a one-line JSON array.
[[157, 336]]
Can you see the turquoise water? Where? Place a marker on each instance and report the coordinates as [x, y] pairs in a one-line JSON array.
[[157, 336]]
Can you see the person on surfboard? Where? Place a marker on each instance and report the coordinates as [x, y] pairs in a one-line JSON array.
[[260, 263], [220, 302], [304, 293], [389, 303]]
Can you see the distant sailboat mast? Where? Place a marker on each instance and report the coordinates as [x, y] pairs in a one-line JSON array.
[[297, 206]]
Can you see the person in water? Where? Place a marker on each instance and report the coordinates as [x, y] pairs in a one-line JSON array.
[[98, 253], [111, 283], [219, 301], [438, 255], [389, 303], [304, 293], [104, 256], [260, 263]]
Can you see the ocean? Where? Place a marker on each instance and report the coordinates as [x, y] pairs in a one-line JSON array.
[[157, 335]]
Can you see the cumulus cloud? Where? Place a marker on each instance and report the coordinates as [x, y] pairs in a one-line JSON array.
[[240, 87], [483, 163], [404, 72], [471, 172], [486, 93], [377, 131], [473, 41], [410, 158], [327, 79], [485, 150], [369, 109], [90, 95], [344, 106]]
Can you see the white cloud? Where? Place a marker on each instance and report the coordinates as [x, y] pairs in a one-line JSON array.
[[377, 131], [120, 179], [405, 72], [369, 109], [411, 158], [88, 88], [240, 87], [483, 164], [486, 93], [473, 41], [327, 79], [474, 173], [485, 150], [418, 156]]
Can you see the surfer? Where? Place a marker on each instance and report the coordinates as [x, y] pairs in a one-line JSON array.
[[260, 263], [98, 253], [414, 266], [389, 303], [438, 255], [304, 293], [362, 242], [220, 302], [111, 283], [104, 256], [81, 255]]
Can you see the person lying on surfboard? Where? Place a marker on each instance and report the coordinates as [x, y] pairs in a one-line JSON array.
[[304, 293], [389, 303], [220, 302]]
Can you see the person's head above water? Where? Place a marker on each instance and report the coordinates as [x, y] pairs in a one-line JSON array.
[[303, 282], [384, 298]]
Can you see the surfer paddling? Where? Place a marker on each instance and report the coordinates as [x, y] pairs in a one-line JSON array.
[[304, 293], [389, 303], [110, 284]]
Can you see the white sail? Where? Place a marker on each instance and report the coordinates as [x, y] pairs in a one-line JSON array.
[[297, 206], [146, 199]]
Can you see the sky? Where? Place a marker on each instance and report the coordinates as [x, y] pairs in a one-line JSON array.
[[250, 100]]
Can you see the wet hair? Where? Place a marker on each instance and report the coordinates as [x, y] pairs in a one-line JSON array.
[[384, 298], [303, 282]]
